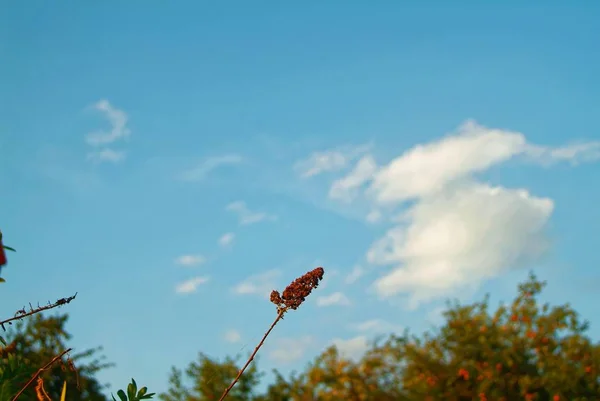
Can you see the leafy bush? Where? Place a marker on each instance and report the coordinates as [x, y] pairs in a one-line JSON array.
[[33, 352]]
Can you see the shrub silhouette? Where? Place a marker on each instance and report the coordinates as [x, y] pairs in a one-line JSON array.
[[519, 351], [33, 353]]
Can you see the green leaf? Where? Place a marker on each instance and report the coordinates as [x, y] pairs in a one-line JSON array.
[[9, 248], [122, 395], [142, 391], [147, 396], [132, 390], [2, 280], [3, 341], [113, 397]]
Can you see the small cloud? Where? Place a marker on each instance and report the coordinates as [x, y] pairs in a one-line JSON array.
[[575, 153], [246, 216], [346, 188], [337, 298], [118, 121], [356, 273], [331, 275], [232, 336], [374, 216], [330, 160], [291, 349], [378, 326], [190, 260], [436, 315], [226, 239], [191, 285], [352, 348], [320, 162], [200, 172], [259, 284], [106, 155], [118, 130]]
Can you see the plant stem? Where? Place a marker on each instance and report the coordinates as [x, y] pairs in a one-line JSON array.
[[39, 372], [228, 389]]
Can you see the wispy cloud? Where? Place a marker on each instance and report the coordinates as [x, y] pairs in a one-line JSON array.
[[190, 260], [246, 216], [232, 336], [118, 121], [356, 273], [118, 131], [337, 298], [260, 284], [329, 160], [346, 188], [191, 285], [352, 348], [289, 350], [226, 239], [200, 172], [106, 155], [575, 153], [378, 326]]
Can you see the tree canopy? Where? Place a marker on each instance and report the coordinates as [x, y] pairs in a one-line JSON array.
[[37, 340], [520, 351]]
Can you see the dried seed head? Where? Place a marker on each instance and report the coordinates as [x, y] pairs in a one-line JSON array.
[[295, 293], [276, 298]]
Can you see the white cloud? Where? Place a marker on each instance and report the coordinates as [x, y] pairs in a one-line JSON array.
[[190, 260], [374, 216], [456, 232], [427, 169], [199, 172], [118, 121], [106, 155], [352, 348], [190, 285], [289, 350], [330, 160], [378, 326], [232, 336], [226, 239], [337, 298], [436, 315], [575, 153], [118, 130], [259, 284], [460, 239], [346, 188], [356, 273], [246, 216], [329, 276]]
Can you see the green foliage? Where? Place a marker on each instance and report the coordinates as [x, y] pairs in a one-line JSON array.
[[14, 373], [39, 339], [133, 394], [524, 351], [521, 351], [209, 378]]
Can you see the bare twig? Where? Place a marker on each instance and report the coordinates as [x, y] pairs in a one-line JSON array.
[[228, 389], [40, 371], [22, 313]]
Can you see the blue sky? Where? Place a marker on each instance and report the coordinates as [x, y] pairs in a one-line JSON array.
[[174, 161]]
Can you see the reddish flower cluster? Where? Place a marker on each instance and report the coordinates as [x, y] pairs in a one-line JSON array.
[[2, 254], [295, 293]]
